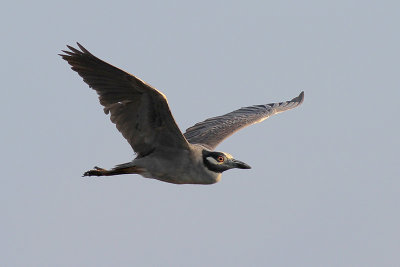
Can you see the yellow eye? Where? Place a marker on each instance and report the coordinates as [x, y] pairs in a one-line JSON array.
[[220, 159]]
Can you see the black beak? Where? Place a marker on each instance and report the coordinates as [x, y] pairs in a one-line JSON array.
[[240, 165]]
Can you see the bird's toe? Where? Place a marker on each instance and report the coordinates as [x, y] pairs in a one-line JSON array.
[[98, 168], [91, 173]]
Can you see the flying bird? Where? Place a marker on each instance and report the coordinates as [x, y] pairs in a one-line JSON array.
[[142, 115]]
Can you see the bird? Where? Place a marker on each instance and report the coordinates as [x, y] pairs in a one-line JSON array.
[[142, 114]]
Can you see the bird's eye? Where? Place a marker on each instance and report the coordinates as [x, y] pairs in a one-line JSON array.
[[220, 159]]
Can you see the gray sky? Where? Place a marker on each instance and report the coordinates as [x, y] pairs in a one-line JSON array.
[[324, 187]]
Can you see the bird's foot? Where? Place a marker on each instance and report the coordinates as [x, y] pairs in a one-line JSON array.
[[96, 172]]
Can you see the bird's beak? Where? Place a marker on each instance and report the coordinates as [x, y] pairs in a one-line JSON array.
[[239, 164]]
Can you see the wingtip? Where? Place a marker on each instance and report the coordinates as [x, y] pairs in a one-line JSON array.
[[300, 98], [84, 50], [80, 46]]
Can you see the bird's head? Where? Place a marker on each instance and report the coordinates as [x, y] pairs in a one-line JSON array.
[[220, 161]]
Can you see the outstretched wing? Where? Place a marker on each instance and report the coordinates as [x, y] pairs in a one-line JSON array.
[[140, 112], [213, 131]]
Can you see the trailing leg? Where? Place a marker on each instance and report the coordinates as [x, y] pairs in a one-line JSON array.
[[115, 171]]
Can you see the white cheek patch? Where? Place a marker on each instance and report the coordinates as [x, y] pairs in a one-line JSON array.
[[212, 160]]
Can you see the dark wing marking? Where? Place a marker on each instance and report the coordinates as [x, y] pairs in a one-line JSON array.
[[140, 112], [214, 130]]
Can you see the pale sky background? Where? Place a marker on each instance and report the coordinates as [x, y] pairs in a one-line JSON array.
[[324, 189]]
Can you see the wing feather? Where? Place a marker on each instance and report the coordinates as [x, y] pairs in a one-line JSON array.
[[214, 130], [139, 111]]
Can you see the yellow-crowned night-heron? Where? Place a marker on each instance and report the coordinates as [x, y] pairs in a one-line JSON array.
[[142, 115]]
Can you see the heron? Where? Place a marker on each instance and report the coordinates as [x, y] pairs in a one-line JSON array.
[[142, 114]]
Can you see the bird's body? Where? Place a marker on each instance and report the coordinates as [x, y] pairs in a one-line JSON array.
[[142, 115], [174, 169]]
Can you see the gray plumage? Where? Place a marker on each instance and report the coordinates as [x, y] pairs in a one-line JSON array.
[[214, 130], [141, 113]]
